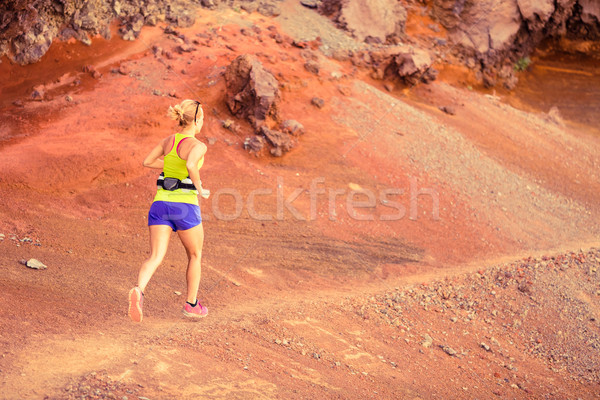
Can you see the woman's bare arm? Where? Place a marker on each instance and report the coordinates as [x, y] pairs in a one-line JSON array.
[[196, 153], [153, 159]]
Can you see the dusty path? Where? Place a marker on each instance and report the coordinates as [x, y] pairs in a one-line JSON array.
[[295, 305]]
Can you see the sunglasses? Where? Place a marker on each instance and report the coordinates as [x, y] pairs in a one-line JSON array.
[[196, 113]]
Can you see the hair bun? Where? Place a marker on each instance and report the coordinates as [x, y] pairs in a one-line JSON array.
[[179, 111], [186, 112], [176, 112]]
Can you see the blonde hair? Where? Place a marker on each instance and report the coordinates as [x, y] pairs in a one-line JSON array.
[[184, 112]]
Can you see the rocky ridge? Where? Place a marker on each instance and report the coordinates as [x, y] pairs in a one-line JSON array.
[[28, 27], [492, 36], [488, 37]]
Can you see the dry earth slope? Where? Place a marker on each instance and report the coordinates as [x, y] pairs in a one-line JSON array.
[[497, 296]]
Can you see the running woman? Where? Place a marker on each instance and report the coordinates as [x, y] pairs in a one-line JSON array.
[[175, 206]]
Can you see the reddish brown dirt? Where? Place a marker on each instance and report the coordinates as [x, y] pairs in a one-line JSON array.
[[295, 305]]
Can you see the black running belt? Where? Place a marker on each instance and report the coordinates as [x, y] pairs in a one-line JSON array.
[[173, 183]]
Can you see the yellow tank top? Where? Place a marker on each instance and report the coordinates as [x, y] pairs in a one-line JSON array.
[[174, 167]]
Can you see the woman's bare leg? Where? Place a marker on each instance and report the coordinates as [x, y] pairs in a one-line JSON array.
[[192, 240], [159, 242]]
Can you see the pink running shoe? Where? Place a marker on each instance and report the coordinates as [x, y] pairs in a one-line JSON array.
[[198, 311], [136, 302]]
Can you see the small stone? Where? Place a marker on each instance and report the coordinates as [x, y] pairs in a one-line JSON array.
[[156, 92], [292, 127], [449, 350], [184, 48], [277, 341], [448, 110], [427, 342], [208, 3], [124, 69], [178, 293], [317, 102], [129, 35], [38, 93], [310, 3], [316, 356], [68, 98], [254, 143], [18, 103], [211, 140], [340, 55], [269, 10], [35, 264], [344, 90], [312, 66], [525, 288], [231, 125], [485, 347]]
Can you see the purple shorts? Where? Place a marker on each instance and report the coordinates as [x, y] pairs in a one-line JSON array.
[[179, 216]]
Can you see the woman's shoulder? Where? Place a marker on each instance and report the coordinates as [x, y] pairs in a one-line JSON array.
[[192, 141], [169, 138], [197, 142], [186, 145], [168, 142]]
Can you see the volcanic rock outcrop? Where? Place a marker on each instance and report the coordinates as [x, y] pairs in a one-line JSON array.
[[496, 32], [407, 63], [253, 94], [252, 91], [376, 21], [28, 27]]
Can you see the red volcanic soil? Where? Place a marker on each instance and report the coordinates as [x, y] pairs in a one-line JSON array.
[[426, 255]]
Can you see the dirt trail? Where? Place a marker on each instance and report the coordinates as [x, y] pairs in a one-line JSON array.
[[295, 303]]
